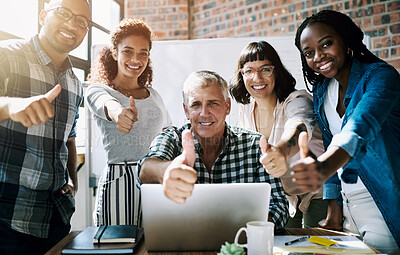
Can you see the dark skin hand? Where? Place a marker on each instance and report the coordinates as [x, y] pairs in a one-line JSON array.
[[334, 217]]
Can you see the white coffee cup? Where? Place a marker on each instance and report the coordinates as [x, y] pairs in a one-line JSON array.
[[260, 237]]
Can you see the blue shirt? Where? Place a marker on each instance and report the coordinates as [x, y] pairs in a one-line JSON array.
[[370, 134], [237, 163], [33, 161]]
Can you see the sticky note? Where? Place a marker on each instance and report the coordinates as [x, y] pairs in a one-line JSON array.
[[322, 241]]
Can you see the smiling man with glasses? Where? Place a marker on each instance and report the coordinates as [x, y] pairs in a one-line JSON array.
[[66, 14], [39, 101], [64, 26]]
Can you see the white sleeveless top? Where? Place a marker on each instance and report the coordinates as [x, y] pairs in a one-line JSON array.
[[335, 124]]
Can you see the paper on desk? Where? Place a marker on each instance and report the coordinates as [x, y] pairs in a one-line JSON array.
[[345, 245]]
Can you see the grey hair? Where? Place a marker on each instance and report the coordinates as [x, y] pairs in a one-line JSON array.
[[203, 78], [54, 2]]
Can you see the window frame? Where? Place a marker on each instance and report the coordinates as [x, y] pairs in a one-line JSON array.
[[76, 61]]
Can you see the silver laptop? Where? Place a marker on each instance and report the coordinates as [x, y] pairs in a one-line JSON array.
[[211, 216]]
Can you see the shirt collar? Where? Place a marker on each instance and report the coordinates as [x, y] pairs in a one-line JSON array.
[[228, 138], [42, 56]]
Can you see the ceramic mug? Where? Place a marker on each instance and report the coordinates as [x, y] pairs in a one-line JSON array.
[[260, 237]]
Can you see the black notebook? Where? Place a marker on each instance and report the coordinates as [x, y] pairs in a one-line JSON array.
[[115, 234], [83, 244]]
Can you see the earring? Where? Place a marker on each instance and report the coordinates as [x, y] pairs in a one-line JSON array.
[[350, 52]]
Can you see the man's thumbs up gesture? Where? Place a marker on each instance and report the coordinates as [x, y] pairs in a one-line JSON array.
[[305, 172], [33, 110], [180, 177]]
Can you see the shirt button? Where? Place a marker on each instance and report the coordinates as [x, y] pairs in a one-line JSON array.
[[377, 201], [389, 222], [363, 179]]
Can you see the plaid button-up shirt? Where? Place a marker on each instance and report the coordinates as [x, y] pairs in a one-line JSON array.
[[237, 163], [33, 160]]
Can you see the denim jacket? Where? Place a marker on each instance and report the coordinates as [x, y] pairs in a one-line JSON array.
[[370, 134]]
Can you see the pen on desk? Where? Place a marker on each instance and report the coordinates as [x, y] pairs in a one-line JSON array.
[[297, 240]]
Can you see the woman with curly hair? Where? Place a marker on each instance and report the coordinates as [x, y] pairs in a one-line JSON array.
[[273, 107], [357, 106], [129, 113]]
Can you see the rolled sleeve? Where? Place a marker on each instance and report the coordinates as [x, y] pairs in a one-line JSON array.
[[4, 71], [348, 141], [299, 109], [165, 146], [96, 96]]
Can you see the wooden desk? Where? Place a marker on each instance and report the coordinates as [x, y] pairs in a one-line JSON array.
[[80, 160], [56, 250]]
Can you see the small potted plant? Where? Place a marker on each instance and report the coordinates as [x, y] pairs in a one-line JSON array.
[[231, 249]]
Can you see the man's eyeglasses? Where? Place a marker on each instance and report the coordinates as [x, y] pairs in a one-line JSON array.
[[263, 72], [65, 14]]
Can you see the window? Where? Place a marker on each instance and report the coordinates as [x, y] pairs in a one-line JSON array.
[[19, 18], [106, 13]]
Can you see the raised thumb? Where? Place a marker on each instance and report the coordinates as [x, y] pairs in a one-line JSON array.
[[188, 148], [303, 145], [264, 145], [132, 103], [53, 93]]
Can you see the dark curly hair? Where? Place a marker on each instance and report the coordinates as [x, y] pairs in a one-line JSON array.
[[284, 81], [105, 68], [350, 33]]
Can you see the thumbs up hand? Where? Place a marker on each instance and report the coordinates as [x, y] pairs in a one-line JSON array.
[[303, 145], [272, 159], [123, 117], [180, 177], [306, 172], [33, 110]]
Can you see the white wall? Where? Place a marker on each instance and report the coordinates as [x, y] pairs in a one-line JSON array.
[[173, 61]]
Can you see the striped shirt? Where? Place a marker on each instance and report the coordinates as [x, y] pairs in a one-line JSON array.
[[33, 160], [237, 163]]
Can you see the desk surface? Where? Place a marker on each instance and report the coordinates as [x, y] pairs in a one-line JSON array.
[[56, 250]]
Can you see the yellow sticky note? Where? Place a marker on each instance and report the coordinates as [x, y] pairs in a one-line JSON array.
[[322, 241]]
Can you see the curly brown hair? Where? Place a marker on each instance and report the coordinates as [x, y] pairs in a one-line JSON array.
[[105, 68]]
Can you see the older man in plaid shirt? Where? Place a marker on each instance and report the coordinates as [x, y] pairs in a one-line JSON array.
[[208, 150]]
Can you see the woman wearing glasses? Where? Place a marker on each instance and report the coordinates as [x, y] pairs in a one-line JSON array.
[[272, 107], [129, 113]]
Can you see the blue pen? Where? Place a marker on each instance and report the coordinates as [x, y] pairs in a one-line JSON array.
[[297, 240]]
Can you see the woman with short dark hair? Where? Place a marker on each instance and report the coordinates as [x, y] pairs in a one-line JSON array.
[[273, 107]]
